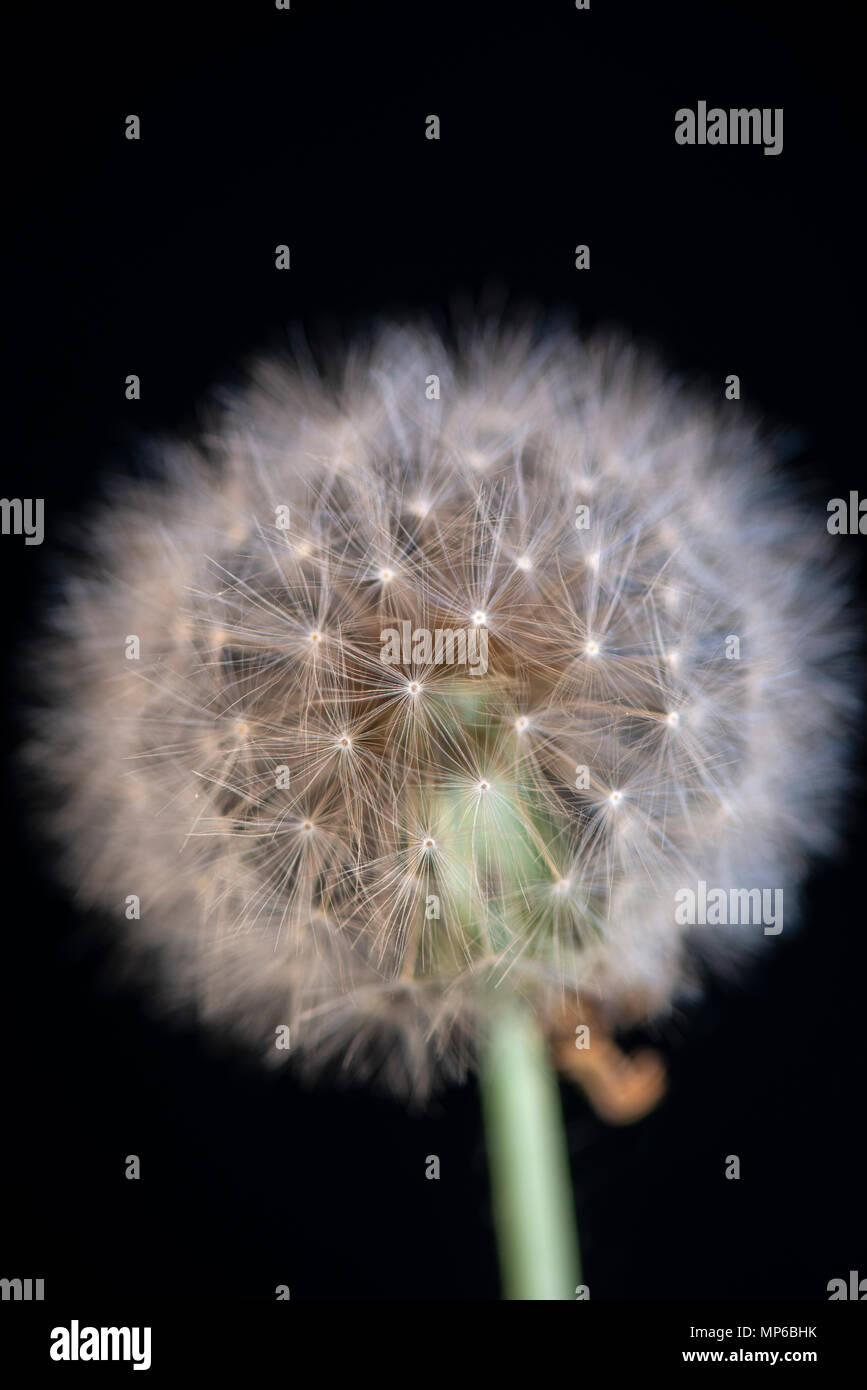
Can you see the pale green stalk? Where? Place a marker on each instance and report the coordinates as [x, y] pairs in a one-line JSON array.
[[532, 1191], [498, 854]]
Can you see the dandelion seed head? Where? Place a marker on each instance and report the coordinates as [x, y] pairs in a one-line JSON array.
[[313, 843]]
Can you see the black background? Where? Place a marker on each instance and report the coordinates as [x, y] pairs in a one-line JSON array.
[[307, 127]]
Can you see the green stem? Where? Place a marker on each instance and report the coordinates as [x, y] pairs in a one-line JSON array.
[[534, 1211]]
